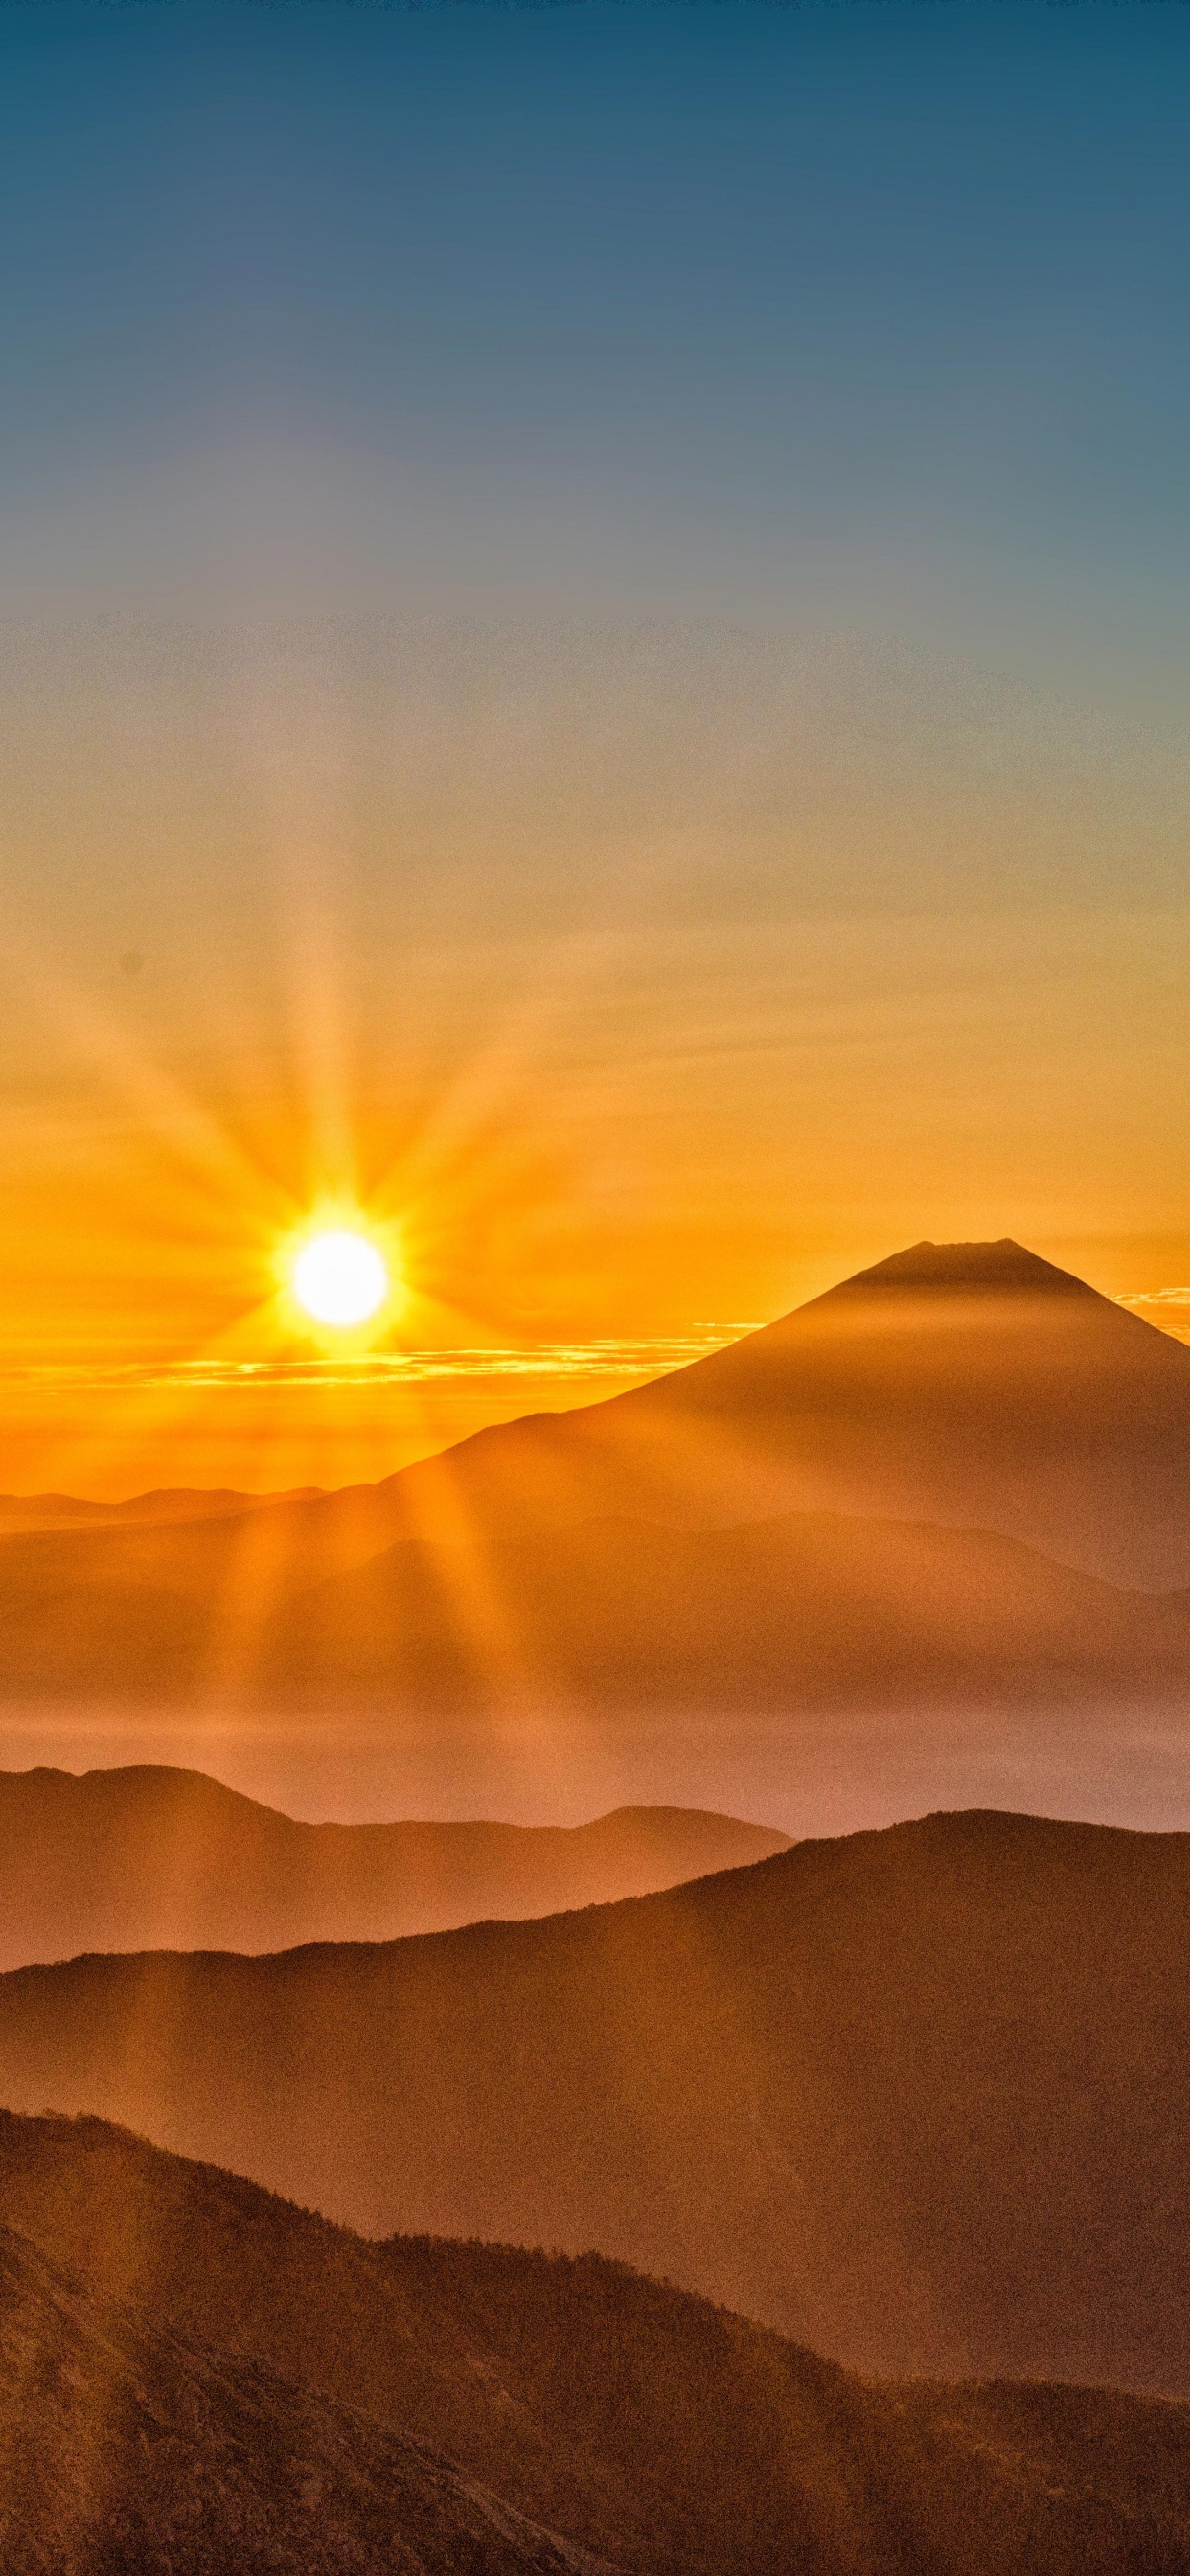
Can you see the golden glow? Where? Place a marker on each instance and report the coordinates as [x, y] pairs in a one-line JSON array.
[[340, 1278]]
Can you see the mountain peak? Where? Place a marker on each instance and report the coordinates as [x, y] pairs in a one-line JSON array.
[[972, 1268]]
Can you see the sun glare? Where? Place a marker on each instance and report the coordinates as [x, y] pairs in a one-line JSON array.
[[340, 1279]]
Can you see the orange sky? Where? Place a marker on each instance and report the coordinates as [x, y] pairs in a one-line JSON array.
[[645, 748], [632, 1039]]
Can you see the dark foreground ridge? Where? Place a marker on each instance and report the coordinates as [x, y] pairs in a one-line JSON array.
[[917, 2097], [196, 2376], [130, 2447]]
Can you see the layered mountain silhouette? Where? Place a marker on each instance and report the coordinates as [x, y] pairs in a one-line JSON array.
[[918, 2097], [916, 2101], [961, 1475], [155, 1858], [196, 2374]]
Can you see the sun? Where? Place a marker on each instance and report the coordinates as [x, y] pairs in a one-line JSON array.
[[340, 1278]]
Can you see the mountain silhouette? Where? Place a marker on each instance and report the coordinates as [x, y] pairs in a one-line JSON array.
[[196, 2374], [974, 1385], [915, 2097], [155, 1858], [828, 1507], [126, 2447]]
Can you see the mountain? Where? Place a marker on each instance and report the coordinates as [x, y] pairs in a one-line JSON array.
[[243, 2470], [973, 1385], [125, 2447], [154, 1858], [918, 2098], [201, 2376], [962, 1474]]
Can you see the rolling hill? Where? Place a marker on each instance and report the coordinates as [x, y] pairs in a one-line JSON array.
[[916, 2097], [196, 2374], [155, 1858]]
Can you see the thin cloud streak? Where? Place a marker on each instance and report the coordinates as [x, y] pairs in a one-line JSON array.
[[563, 1360], [1167, 1308]]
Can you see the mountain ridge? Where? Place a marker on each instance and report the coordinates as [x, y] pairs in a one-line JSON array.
[[150, 1857], [204, 2462], [635, 2422], [915, 2097]]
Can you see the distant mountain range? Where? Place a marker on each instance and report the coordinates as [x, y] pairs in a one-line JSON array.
[[917, 2097], [197, 2375], [961, 1476], [155, 1858]]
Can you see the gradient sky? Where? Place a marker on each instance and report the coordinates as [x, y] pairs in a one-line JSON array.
[[594, 652]]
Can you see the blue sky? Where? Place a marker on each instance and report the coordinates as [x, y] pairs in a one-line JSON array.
[[701, 305]]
